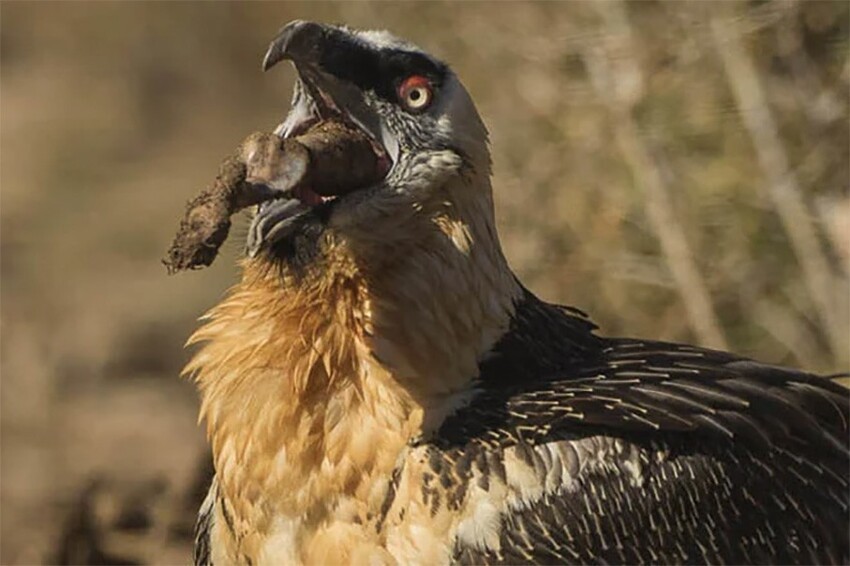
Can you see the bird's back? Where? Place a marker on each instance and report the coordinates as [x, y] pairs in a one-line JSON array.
[[582, 449]]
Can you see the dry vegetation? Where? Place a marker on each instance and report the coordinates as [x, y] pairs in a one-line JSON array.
[[679, 171]]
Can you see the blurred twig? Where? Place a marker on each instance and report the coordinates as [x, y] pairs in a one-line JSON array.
[[784, 190], [620, 89], [782, 324]]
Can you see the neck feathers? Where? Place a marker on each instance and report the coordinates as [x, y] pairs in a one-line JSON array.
[[321, 381]]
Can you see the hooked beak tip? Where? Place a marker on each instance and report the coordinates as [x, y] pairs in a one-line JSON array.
[[297, 40], [271, 58]]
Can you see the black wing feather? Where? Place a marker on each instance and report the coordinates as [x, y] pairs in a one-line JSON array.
[[755, 456]]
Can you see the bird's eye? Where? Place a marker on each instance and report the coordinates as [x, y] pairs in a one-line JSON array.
[[415, 93]]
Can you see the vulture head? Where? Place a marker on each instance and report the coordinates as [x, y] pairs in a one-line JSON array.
[[430, 142], [402, 277]]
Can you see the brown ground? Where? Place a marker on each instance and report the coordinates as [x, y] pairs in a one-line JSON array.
[[629, 182]]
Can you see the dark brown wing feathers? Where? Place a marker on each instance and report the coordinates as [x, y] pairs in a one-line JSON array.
[[742, 461]]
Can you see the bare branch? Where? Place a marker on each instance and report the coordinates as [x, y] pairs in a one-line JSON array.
[[648, 175], [784, 191]]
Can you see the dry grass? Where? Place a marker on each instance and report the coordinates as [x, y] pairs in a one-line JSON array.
[[677, 171]]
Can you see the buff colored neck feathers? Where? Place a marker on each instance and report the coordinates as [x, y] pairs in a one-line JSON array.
[[312, 388]]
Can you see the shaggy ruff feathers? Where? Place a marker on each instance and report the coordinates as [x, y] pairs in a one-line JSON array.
[[314, 384]]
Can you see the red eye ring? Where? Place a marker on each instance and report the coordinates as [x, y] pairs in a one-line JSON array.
[[415, 92]]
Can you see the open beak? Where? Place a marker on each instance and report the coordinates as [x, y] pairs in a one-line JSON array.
[[320, 95], [322, 55]]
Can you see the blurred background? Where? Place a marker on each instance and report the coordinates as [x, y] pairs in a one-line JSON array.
[[677, 170]]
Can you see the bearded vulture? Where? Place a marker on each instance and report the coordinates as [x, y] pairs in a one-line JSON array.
[[381, 389]]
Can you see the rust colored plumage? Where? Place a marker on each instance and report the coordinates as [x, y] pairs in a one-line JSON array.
[[315, 383]]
